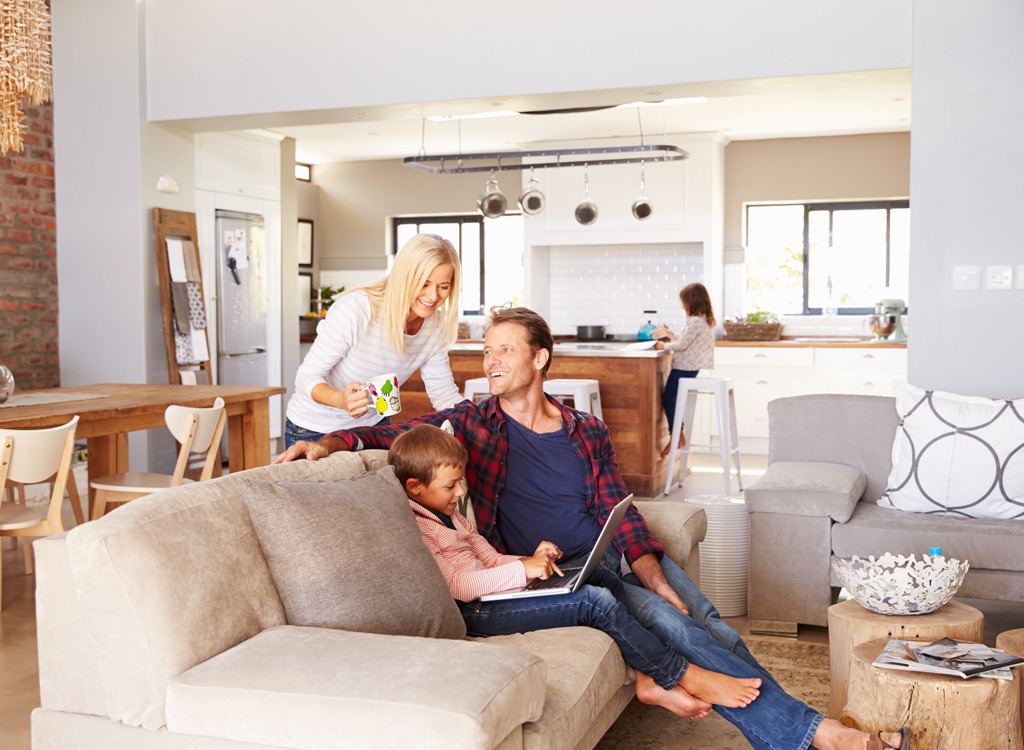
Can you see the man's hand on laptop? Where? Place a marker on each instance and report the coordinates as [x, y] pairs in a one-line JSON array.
[[542, 564], [303, 449]]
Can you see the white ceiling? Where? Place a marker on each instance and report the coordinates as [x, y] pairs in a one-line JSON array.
[[846, 104]]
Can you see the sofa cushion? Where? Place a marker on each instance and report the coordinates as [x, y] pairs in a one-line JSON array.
[[315, 689], [349, 555], [807, 488], [956, 455], [991, 545], [585, 670]]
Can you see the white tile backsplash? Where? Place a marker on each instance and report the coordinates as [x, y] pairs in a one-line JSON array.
[[612, 285]]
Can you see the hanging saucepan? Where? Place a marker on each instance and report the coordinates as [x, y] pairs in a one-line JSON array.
[[492, 202], [642, 208], [590, 333], [531, 200], [586, 209]]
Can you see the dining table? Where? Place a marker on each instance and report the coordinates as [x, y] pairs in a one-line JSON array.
[[107, 412]]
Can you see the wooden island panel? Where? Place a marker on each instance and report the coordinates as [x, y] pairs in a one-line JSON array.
[[630, 399]]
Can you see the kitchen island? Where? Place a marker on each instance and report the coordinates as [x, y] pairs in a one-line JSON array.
[[630, 383]]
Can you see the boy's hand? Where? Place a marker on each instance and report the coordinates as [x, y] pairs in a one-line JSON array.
[[541, 565], [550, 549]]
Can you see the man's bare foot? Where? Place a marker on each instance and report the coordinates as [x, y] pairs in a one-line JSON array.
[[832, 735], [721, 689], [676, 700]]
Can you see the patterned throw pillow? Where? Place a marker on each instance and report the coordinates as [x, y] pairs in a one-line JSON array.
[[961, 456], [349, 555]]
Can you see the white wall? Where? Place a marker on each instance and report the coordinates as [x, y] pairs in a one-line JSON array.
[[967, 189], [223, 58]]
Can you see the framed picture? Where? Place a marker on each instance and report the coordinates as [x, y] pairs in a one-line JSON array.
[[305, 246], [305, 293]]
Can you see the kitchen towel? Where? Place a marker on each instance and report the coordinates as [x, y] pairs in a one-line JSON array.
[[191, 261], [180, 304]]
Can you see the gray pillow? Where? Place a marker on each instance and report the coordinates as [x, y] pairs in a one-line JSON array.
[[349, 555]]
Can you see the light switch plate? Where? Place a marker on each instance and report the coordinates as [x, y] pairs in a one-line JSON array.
[[999, 278], [1020, 277], [966, 278]]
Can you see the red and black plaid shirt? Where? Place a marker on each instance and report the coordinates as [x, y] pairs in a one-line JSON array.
[[482, 429]]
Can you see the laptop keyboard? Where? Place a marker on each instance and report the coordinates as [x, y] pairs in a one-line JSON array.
[[557, 582]]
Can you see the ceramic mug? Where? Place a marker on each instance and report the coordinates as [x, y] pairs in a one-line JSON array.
[[382, 391]]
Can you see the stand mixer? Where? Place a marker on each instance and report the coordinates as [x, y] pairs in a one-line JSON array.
[[887, 322]]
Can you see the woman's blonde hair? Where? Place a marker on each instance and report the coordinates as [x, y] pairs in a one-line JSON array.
[[391, 298]]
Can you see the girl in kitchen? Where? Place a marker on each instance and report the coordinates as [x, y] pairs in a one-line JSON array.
[[692, 350], [402, 323]]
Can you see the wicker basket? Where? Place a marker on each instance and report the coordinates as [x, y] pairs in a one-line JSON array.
[[753, 331]]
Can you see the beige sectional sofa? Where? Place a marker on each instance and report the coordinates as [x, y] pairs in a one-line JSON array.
[[160, 627], [829, 458]]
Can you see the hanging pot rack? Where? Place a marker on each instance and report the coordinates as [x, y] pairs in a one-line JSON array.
[[562, 157]]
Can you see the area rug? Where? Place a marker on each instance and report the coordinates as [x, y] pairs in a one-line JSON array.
[[801, 668]]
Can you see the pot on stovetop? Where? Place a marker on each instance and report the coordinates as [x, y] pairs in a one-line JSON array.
[[590, 333]]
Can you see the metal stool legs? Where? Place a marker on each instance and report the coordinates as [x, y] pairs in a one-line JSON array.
[[728, 437]]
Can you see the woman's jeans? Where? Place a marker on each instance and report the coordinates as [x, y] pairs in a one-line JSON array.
[[668, 396], [293, 433], [775, 720], [595, 605]]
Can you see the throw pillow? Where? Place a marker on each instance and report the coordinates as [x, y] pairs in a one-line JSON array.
[[957, 455], [349, 555]]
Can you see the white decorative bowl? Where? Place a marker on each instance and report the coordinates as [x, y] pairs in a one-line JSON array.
[[901, 585]]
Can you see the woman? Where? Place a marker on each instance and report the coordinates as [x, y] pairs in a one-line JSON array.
[[404, 322], [692, 351]]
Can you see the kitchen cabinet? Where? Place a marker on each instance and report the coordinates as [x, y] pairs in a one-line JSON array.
[[764, 372], [239, 165]]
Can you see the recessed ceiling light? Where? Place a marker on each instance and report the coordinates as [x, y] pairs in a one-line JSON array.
[[472, 116], [669, 102]]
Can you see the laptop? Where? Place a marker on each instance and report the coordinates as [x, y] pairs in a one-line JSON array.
[[576, 576]]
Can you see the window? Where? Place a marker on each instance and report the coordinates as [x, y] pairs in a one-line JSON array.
[[812, 258], [491, 251]]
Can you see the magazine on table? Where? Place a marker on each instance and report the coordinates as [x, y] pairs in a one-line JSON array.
[[948, 656]]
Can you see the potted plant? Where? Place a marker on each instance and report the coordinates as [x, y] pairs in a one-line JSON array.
[[759, 325]]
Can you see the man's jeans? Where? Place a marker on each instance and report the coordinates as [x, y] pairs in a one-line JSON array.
[[775, 720], [596, 605]]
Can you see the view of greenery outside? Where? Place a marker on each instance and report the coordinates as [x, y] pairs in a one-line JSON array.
[[491, 251], [856, 255]]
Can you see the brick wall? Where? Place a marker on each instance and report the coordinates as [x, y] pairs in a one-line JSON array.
[[28, 257]]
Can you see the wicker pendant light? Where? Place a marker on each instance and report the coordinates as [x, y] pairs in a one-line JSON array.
[[25, 68]]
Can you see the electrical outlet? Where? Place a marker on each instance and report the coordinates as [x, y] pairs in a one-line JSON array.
[[998, 278], [966, 278]]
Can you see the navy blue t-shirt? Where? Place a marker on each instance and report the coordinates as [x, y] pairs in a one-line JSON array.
[[545, 496]]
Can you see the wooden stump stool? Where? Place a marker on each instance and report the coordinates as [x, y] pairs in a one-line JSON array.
[[850, 624], [943, 713], [1012, 642]]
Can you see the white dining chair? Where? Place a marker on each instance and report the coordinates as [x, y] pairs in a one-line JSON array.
[[32, 457], [197, 429]]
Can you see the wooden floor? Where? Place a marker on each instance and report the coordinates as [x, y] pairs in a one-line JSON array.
[[19, 685]]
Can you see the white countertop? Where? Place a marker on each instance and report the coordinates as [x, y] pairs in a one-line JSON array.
[[581, 349]]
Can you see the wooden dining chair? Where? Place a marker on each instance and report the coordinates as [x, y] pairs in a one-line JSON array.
[[197, 429], [32, 457]]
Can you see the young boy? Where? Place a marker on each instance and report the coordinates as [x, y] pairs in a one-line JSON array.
[[430, 464]]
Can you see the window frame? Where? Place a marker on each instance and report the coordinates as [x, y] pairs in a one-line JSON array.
[[461, 220], [831, 207]]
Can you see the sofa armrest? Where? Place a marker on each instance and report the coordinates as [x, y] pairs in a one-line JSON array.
[[307, 687], [807, 488], [678, 526]]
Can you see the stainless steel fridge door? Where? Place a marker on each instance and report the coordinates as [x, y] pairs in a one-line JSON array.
[[241, 283], [243, 369]]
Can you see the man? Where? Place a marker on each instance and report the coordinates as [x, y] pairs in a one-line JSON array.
[[553, 471]]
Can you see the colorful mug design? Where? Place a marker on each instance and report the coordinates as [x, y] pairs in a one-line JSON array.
[[384, 394]]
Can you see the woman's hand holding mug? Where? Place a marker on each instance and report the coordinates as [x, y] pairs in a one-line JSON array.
[[357, 401], [381, 391]]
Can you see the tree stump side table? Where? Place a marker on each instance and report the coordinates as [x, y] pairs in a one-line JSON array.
[[850, 624], [1012, 642], [943, 713]]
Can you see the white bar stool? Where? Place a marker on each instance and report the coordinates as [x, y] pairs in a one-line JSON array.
[[476, 387], [728, 439], [584, 392]]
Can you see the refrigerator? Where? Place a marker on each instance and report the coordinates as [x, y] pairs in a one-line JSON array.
[[242, 299]]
